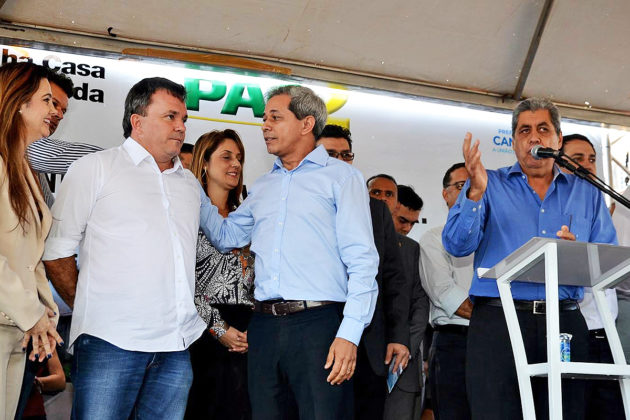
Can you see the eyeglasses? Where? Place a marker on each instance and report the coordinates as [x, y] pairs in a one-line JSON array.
[[347, 156], [459, 185]]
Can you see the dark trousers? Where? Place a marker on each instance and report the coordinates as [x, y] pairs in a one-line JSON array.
[[490, 369], [286, 362], [603, 398], [447, 368], [219, 387], [370, 389]]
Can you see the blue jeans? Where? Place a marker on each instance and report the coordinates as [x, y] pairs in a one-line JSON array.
[[112, 383]]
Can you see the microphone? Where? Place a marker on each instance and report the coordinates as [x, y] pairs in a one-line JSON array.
[[539, 152]]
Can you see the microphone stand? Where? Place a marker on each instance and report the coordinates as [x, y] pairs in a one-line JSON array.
[[581, 172]]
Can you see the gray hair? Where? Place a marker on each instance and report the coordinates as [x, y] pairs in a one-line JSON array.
[[534, 104], [139, 97], [304, 102]]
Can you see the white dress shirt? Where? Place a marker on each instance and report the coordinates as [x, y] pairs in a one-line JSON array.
[[589, 308], [136, 230], [445, 278]]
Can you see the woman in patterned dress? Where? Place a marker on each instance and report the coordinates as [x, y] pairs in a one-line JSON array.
[[224, 292]]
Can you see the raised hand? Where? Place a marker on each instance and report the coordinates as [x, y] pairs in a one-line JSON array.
[[476, 171]]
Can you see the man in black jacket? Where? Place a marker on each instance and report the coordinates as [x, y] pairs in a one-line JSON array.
[[388, 334], [403, 402]]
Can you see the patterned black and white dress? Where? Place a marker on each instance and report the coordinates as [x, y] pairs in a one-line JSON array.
[[222, 279]]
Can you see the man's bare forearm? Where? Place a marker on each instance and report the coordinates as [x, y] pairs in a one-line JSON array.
[[63, 274]]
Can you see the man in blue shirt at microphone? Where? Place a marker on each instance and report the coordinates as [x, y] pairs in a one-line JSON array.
[[496, 213]]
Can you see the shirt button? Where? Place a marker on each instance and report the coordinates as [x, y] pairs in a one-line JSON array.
[[275, 250], [275, 277], [544, 232], [542, 210], [280, 223], [474, 208], [31, 268]]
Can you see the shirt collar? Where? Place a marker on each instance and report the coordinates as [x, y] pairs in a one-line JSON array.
[[318, 156], [138, 153], [517, 170]]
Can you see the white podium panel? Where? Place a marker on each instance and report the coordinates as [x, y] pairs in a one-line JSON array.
[[553, 262]]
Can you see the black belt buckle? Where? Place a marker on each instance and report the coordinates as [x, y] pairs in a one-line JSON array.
[[538, 307]]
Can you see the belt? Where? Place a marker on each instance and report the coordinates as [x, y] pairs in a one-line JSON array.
[[286, 307], [452, 328], [534, 306]]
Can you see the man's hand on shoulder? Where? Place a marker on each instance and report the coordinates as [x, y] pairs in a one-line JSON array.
[[344, 355], [402, 355]]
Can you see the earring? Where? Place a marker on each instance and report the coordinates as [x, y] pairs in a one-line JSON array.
[[203, 173]]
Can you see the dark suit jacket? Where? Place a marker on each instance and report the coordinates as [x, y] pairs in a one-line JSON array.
[[418, 314], [390, 321]]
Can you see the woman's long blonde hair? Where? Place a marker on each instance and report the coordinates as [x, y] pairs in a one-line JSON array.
[[204, 148]]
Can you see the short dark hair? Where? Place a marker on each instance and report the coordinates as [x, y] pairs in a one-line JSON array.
[[139, 97], [408, 197], [304, 102], [337, 132], [575, 137], [186, 148], [447, 176], [391, 178], [61, 80]]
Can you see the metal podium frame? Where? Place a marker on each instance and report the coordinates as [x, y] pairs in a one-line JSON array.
[[544, 252]]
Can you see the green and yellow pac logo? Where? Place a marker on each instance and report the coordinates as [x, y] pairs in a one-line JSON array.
[[235, 98]]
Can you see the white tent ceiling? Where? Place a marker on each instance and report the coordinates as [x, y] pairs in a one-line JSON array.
[[479, 46]]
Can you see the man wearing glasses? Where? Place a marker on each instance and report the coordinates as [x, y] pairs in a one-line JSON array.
[[446, 279], [388, 333]]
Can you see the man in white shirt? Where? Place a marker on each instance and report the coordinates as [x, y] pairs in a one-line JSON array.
[[133, 212], [446, 279]]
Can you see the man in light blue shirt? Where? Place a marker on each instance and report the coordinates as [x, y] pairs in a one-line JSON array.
[[308, 222], [497, 212]]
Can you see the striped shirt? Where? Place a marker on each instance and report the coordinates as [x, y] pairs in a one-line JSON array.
[[55, 156]]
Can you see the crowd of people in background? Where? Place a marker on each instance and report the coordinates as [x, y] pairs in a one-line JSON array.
[[181, 295]]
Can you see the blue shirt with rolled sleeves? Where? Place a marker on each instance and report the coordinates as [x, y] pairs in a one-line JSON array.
[[311, 232], [510, 213]]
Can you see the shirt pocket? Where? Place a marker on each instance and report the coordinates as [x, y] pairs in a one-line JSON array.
[[580, 227], [577, 225]]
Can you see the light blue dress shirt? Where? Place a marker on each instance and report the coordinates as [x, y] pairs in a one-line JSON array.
[[510, 213], [311, 232]]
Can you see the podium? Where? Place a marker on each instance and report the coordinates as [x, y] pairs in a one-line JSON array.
[[554, 262]]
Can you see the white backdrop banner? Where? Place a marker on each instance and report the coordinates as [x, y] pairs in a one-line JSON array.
[[412, 139]]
